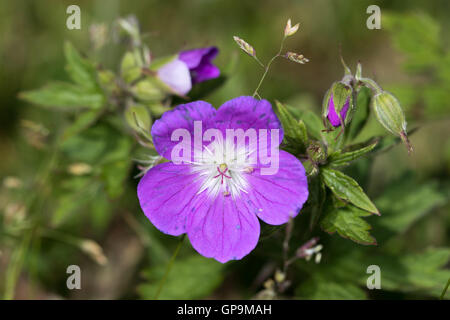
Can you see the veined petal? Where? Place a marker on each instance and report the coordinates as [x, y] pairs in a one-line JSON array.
[[247, 112], [275, 198], [222, 228], [182, 117], [166, 194]]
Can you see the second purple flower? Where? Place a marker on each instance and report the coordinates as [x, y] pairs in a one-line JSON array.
[[190, 67]]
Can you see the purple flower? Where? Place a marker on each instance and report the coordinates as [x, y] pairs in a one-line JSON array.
[[333, 116], [199, 62], [189, 68], [217, 201], [176, 75]]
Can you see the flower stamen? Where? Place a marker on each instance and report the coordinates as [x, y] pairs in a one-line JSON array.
[[222, 172]]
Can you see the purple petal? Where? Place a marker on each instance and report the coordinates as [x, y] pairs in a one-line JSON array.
[[247, 112], [275, 198], [166, 194], [194, 57], [222, 228], [203, 72], [182, 117], [176, 75], [199, 62], [333, 116]]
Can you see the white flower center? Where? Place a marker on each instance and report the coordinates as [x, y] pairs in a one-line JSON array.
[[222, 167]]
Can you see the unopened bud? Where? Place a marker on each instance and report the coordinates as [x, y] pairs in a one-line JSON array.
[[247, 48], [390, 114], [290, 30], [298, 58], [316, 152], [337, 102]]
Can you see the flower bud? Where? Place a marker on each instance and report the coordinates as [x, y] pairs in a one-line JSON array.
[[289, 30], [338, 100], [390, 114], [316, 152]]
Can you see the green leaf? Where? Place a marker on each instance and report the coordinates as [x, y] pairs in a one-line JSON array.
[[409, 30], [83, 121], [71, 195], [97, 145], [295, 135], [407, 200], [81, 70], [347, 189], [323, 288], [191, 278], [415, 272], [113, 174], [63, 95], [312, 122], [338, 159], [422, 272], [347, 223]]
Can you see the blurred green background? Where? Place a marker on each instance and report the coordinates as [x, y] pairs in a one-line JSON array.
[[409, 56]]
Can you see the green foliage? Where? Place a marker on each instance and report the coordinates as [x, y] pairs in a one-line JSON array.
[[338, 159], [347, 189], [403, 203], [90, 182], [295, 135], [347, 223], [64, 96], [191, 278], [83, 121], [84, 93], [429, 60], [319, 288], [80, 70]]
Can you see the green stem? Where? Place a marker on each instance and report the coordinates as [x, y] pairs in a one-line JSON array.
[[169, 266], [255, 93], [445, 290]]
